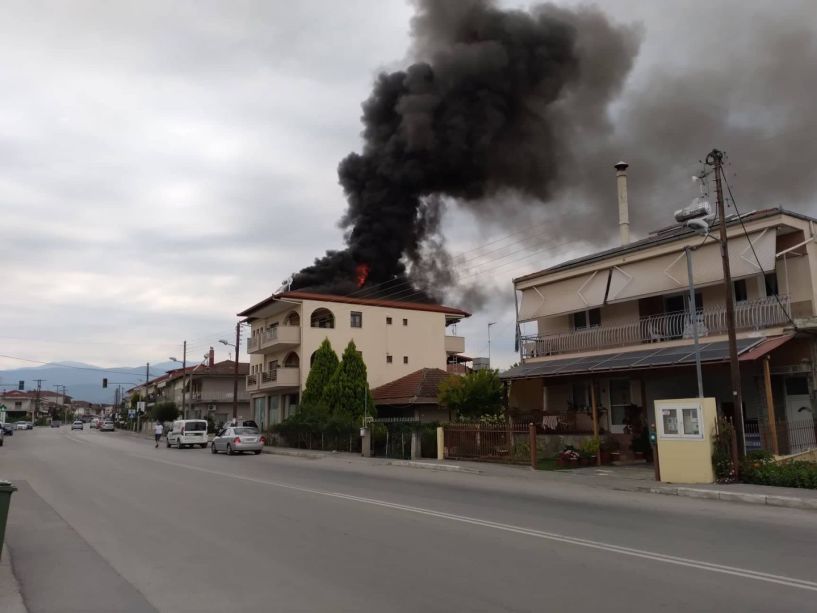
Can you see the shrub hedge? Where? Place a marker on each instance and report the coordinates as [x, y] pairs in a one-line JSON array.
[[759, 467]]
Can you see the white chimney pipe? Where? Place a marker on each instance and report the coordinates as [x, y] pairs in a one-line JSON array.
[[623, 206]]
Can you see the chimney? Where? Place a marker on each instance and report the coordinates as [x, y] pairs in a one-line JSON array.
[[212, 359], [623, 206]]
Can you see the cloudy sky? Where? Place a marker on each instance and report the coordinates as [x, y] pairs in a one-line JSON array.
[[164, 165]]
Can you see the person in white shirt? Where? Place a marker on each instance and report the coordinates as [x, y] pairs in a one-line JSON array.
[[158, 429]]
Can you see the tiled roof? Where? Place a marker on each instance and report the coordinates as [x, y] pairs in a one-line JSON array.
[[394, 304], [419, 387]]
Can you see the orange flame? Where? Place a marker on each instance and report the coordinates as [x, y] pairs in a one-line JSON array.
[[361, 272]]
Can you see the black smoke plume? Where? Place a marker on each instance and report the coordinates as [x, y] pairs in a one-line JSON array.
[[478, 115]]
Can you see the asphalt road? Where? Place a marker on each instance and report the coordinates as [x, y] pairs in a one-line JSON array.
[[105, 518]]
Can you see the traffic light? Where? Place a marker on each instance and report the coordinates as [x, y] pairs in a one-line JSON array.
[[104, 382], [21, 386]]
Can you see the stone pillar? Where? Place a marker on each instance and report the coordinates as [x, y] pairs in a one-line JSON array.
[[366, 442], [440, 443], [416, 447]]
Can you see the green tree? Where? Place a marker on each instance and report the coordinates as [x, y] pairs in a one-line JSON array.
[[477, 393], [323, 368], [164, 411], [347, 395]]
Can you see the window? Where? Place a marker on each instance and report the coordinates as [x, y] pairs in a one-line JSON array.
[[405, 322], [619, 401], [771, 284], [292, 360], [580, 396], [356, 319], [740, 290], [405, 359], [322, 318], [388, 359], [388, 321], [586, 319], [680, 422]]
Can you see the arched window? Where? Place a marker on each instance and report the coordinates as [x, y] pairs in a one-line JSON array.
[[322, 318], [293, 319], [292, 360], [312, 358]]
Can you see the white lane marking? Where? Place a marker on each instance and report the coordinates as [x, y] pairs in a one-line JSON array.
[[550, 536]]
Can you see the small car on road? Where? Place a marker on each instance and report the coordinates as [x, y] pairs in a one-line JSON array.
[[8, 429], [77, 425], [188, 433], [107, 426], [238, 439], [22, 425], [56, 423]]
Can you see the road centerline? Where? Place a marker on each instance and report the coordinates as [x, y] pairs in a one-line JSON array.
[[701, 565]]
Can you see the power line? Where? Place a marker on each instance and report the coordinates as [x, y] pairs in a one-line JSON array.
[[751, 246]]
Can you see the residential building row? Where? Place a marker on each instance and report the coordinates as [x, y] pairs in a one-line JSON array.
[[614, 328]]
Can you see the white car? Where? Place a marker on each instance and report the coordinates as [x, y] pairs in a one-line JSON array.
[[188, 433], [107, 426], [22, 425], [238, 439], [77, 425]]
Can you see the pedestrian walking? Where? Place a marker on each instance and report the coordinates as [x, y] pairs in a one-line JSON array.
[[158, 429]]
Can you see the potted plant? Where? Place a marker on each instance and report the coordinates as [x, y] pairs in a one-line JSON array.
[[568, 456], [610, 450], [590, 449]]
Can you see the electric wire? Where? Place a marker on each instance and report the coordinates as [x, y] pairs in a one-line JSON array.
[[757, 259]]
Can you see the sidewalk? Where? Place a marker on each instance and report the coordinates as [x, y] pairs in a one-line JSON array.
[[11, 600], [630, 478]]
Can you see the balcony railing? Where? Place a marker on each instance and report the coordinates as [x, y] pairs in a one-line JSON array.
[[274, 337], [750, 315]]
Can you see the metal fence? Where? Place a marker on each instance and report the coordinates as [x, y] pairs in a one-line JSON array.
[[494, 442], [750, 315], [790, 436]]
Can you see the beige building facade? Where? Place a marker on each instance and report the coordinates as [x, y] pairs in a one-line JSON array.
[[395, 339], [615, 328]]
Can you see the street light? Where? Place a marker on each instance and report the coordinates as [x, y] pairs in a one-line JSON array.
[[491, 323], [235, 370]]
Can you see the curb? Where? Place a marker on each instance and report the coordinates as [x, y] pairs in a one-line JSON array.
[[11, 599], [772, 501], [430, 466], [293, 454]]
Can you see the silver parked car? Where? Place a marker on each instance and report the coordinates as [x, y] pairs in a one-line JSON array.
[[238, 439], [77, 425]]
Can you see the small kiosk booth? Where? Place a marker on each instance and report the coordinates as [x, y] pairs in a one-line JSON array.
[[685, 430]]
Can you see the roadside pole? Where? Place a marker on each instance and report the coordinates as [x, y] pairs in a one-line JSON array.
[[235, 370]]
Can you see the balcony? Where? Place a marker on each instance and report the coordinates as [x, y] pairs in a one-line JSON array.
[[279, 378], [274, 339], [750, 315], [454, 344]]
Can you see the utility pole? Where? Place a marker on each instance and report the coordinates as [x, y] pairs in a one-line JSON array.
[[184, 378], [138, 412], [37, 400], [715, 159], [61, 391], [489, 343], [235, 373]]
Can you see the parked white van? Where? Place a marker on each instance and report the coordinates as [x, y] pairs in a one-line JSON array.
[[188, 433]]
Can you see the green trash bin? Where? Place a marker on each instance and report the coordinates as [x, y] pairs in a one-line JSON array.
[[6, 490]]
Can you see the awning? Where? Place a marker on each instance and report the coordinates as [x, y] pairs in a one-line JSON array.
[[632, 360], [761, 349]]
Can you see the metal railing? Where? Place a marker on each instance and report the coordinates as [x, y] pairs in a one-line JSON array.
[[496, 443], [792, 436], [750, 315], [269, 335]]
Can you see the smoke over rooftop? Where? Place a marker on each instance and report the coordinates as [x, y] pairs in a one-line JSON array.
[[485, 110]]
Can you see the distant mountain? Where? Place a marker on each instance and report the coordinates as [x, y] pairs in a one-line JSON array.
[[82, 381]]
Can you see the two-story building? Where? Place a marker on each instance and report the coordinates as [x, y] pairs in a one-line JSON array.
[[395, 338], [32, 404], [202, 390], [614, 328]]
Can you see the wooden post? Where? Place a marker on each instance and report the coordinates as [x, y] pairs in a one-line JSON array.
[[767, 380], [595, 419], [532, 438]]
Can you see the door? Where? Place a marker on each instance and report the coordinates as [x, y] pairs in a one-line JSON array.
[[799, 415], [620, 401]]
